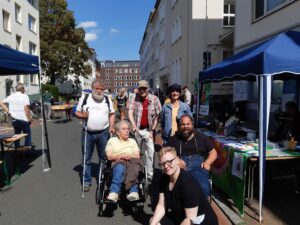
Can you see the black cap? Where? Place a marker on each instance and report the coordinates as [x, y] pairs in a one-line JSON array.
[[174, 87]]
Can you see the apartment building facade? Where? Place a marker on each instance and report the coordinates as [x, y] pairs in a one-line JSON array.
[[19, 29], [184, 37], [118, 74], [257, 21]]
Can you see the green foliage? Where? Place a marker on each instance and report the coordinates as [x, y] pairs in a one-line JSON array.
[[63, 48], [51, 89]]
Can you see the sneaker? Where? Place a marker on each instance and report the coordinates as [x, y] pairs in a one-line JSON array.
[[133, 196], [112, 196]]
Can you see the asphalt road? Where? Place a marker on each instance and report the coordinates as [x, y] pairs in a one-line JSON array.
[[54, 197]]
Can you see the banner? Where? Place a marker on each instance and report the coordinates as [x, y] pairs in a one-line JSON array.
[[229, 173]]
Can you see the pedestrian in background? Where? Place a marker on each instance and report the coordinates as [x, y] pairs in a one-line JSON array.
[[97, 112], [18, 109], [172, 112], [121, 102], [47, 104], [144, 109], [187, 96]]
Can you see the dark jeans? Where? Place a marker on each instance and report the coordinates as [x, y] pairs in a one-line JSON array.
[[193, 166], [22, 126], [98, 139]]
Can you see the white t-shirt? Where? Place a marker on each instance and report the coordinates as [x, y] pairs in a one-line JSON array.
[[98, 113], [188, 97], [16, 105]]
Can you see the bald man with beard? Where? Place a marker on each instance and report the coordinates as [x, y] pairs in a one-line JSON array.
[[98, 115]]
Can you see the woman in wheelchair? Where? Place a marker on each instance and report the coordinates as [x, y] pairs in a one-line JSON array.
[[124, 154]]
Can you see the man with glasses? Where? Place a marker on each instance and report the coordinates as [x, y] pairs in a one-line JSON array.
[[196, 151], [144, 109]]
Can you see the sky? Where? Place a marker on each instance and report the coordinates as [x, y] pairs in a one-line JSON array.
[[114, 28]]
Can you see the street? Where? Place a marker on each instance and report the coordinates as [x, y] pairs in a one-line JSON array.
[[54, 197]]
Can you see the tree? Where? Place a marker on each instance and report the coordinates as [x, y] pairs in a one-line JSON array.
[[63, 48]]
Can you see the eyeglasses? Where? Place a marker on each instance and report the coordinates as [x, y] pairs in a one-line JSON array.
[[167, 162]]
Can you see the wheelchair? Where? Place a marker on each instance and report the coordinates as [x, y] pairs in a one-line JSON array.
[[106, 207]]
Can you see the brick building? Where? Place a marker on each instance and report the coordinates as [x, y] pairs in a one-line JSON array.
[[117, 74]]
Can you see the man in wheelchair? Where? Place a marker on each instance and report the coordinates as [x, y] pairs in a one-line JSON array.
[[124, 154]]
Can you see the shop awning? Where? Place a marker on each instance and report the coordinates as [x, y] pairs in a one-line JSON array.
[[15, 62], [278, 55]]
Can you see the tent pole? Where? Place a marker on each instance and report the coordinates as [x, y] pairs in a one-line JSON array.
[[199, 94], [44, 130]]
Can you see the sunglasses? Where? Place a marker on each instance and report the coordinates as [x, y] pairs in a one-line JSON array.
[[167, 162], [142, 89]]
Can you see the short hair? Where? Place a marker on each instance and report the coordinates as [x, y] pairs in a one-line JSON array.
[[20, 87], [118, 124], [166, 149], [97, 81], [188, 116], [184, 87]]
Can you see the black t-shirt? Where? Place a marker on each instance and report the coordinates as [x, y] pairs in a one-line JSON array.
[[198, 145], [121, 101], [186, 193]]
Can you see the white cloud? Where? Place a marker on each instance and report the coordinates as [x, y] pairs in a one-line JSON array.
[[113, 31], [87, 24], [90, 36]]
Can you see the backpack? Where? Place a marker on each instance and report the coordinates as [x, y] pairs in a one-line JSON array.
[[86, 97]]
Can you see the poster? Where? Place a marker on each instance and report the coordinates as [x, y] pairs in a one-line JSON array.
[[233, 184]]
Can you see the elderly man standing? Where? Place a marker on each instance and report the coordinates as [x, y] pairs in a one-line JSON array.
[[18, 104], [97, 112], [144, 109], [196, 151]]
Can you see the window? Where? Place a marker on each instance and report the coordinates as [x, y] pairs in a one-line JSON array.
[[6, 20], [18, 43], [176, 29], [18, 15], [227, 53], [125, 70], [116, 70], [277, 90], [32, 48], [228, 15], [176, 69], [136, 71], [262, 7], [31, 1], [31, 23], [121, 71], [174, 3]]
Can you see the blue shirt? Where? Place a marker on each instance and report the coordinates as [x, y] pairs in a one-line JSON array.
[[166, 117]]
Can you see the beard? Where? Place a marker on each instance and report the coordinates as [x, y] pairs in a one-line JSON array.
[[186, 134], [98, 97]]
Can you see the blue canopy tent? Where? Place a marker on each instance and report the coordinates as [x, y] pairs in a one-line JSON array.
[[279, 56], [13, 62]]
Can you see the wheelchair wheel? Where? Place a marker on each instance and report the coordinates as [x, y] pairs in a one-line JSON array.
[[101, 189]]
